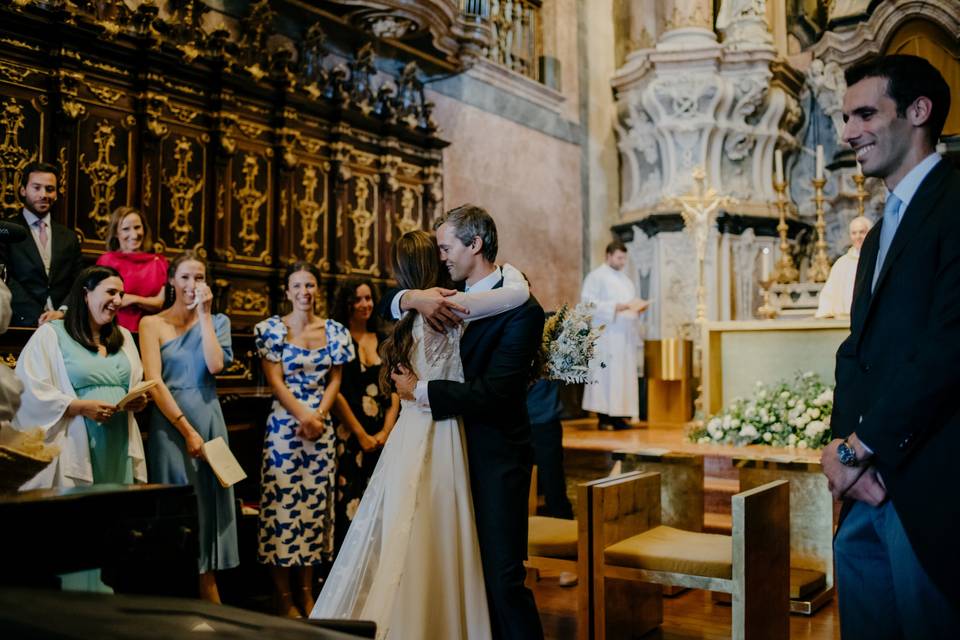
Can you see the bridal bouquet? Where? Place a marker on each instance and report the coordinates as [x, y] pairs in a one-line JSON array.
[[787, 414], [569, 341]]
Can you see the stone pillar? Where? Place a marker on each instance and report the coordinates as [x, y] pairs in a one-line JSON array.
[[691, 100]]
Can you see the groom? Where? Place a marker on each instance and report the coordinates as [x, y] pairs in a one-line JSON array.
[[497, 354]]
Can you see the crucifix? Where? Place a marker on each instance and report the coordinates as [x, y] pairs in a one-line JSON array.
[[699, 211]]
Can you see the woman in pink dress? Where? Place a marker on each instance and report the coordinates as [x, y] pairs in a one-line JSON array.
[[144, 273]]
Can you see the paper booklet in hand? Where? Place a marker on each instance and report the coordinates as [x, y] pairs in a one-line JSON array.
[[222, 461], [138, 390]]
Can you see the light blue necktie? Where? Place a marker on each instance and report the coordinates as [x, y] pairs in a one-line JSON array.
[[891, 220]]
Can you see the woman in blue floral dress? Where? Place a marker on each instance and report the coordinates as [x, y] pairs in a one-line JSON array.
[[302, 355]]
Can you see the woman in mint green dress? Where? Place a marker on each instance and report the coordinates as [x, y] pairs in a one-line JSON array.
[[74, 371]]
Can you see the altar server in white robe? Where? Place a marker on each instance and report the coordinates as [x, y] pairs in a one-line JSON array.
[[613, 393], [837, 293]]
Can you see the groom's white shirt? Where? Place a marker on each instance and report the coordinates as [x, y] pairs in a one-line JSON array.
[[486, 283]]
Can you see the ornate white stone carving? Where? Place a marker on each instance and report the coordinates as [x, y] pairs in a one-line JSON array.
[[826, 82], [839, 9], [745, 250], [678, 283], [743, 23], [691, 102], [719, 108], [643, 255]]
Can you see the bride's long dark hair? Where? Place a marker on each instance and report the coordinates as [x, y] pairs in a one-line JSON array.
[[416, 265]]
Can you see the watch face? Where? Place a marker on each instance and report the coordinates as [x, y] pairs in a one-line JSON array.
[[847, 455]]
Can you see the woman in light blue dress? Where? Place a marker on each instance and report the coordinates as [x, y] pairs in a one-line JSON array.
[[185, 346], [302, 355]]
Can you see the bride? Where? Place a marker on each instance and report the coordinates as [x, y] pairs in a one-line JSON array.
[[410, 561]]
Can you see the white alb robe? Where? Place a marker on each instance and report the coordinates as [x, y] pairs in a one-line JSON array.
[[46, 396], [614, 390], [836, 297]]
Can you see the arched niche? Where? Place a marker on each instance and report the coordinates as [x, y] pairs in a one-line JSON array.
[[855, 43], [929, 41]]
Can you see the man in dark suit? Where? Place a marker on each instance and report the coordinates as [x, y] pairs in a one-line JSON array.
[[40, 268], [897, 402], [497, 354]]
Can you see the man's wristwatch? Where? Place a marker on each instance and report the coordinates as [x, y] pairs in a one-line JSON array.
[[848, 457]]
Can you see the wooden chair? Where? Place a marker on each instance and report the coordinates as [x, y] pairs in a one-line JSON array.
[[632, 553], [554, 544], [681, 488]]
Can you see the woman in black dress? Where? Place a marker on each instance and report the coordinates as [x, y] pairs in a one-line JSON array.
[[366, 415]]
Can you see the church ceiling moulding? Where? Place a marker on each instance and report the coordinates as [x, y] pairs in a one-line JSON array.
[[447, 32]]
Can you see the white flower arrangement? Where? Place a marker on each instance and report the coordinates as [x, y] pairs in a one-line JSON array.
[[788, 414], [568, 345]]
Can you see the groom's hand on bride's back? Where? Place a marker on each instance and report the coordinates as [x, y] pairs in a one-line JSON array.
[[435, 306]]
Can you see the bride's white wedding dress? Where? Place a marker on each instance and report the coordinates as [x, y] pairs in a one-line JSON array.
[[410, 561]]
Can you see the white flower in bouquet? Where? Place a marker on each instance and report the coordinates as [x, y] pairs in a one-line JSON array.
[[568, 344], [786, 414]]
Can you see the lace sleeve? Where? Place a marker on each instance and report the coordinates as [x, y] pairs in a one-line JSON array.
[[483, 304]]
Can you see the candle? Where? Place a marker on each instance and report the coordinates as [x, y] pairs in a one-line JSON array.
[[859, 168], [819, 162], [778, 162], [766, 264]]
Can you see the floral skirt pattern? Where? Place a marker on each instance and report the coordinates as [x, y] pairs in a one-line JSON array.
[[354, 467], [296, 500]]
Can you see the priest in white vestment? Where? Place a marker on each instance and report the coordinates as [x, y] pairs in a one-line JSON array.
[[613, 393], [836, 297]]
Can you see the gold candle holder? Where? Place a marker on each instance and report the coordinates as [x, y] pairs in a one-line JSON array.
[[785, 272], [859, 179], [820, 268], [767, 311]]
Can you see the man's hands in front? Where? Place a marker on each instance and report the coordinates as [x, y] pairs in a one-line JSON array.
[[857, 482], [405, 381], [435, 307]]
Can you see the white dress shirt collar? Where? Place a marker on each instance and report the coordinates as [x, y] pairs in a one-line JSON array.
[[32, 218], [907, 188], [486, 283]]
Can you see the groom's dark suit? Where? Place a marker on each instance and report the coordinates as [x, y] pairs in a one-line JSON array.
[[497, 354], [898, 373]]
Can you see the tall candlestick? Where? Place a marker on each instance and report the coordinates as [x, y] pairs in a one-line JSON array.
[[820, 265], [785, 271], [819, 162], [766, 264], [778, 163]]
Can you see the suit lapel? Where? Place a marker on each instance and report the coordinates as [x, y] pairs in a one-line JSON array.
[[472, 335], [29, 246], [864, 278], [919, 209], [59, 241]]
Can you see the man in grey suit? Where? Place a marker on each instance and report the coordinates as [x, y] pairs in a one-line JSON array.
[[40, 268], [896, 413]]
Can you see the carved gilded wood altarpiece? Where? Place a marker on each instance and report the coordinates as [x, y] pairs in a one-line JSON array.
[[252, 154]]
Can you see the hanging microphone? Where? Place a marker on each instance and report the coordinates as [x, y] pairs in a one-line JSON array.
[[12, 232]]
